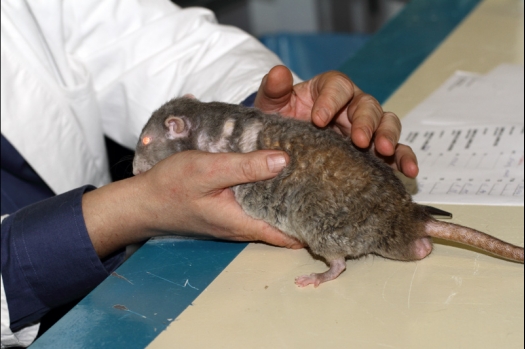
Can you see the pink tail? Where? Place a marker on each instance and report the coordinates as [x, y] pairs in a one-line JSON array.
[[472, 237]]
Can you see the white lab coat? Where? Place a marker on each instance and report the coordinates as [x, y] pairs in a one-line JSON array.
[[73, 71]]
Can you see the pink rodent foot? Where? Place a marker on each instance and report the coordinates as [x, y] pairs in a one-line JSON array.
[[337, 266], [306, 280]]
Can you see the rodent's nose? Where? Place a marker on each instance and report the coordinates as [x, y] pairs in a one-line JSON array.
[[136, 171]]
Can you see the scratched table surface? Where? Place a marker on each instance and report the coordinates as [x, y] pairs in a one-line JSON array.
[[209, 294]]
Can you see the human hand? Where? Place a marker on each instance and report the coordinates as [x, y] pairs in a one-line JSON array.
[[333, 99], [192, 191], [187, 193]]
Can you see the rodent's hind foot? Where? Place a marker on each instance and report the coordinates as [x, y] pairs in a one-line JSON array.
[[306, 280], [337, 266]]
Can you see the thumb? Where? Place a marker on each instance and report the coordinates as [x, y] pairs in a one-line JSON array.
[[249, 167], [275, 90]]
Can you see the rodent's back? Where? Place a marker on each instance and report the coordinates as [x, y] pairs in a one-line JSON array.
[[331, 194]]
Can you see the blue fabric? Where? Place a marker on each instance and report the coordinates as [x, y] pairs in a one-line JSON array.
[[21, 185], [250, 100], [47, 256]]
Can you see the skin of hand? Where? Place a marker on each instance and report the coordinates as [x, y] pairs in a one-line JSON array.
[[333, 99], [188, 194]]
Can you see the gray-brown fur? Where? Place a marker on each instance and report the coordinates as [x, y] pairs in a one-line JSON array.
[[339, 200]]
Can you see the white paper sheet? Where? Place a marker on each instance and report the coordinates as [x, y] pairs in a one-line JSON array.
[[469, 139]]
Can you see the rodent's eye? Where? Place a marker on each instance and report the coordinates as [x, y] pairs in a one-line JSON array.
[[146, 140]]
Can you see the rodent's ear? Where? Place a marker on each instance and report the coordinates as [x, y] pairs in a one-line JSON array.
[[176, 127], [190, 96]]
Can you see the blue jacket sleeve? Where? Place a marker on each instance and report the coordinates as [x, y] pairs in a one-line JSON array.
[[48, 258]]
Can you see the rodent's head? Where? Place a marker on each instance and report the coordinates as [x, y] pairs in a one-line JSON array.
[[168, 131]]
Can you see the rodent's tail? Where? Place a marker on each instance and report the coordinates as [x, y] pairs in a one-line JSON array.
[[475, 238]]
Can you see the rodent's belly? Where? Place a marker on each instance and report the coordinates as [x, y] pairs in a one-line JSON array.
[[266, 200], [298, 209], [315, 220]]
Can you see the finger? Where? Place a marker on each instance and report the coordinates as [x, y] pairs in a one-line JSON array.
[[275, 90], [387, 134], [365, 113], [228, 169], [331, 92], [406, 161]]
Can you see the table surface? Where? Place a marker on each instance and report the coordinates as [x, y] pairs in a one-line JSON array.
[[197, 293]]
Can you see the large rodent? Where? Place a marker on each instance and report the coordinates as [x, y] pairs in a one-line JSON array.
[[338, 200]]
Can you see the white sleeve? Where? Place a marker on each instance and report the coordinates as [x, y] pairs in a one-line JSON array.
[[22, 338], [139, 54]]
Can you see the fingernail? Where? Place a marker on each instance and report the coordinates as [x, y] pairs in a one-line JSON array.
[[276, 162]]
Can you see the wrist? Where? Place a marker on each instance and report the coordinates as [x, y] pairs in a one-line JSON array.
[[114, 215]]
